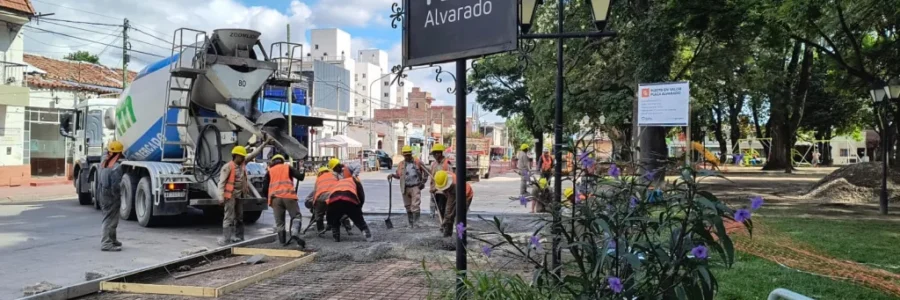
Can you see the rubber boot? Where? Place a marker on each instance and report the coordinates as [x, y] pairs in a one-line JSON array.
[[282, 237], [320, 227], [238, 233], [368, 234], [447, 231], [416, 219], [346, 222], [412, 220], [227, 235], [336, 232]]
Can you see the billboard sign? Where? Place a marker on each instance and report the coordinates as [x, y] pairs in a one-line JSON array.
[[664, 104], [437, 31]]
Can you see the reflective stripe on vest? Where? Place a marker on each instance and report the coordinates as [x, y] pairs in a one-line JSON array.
[[229, 184], [280, 183], [344, 185], [324, 183], [546, 162]]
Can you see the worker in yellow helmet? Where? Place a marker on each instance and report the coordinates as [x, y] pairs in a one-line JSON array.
[[110, 176], [233, 187], [523, 167], [412, 174], [540, 196], [440, 163], [315, 201], [279, 187], [446, 184]]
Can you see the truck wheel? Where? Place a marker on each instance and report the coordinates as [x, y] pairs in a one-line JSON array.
[[251, 217], [83, 198], [127, 186], [143, 203], [95, 190]]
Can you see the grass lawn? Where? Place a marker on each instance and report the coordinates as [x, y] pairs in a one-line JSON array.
[[754, 278], [863, 241]]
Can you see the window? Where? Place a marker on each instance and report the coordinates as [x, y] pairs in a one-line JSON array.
[[364, 75], [417, 105], [845, 152], [317, 46], [364, 88], [386, 83], [386, 95], [8, 150]]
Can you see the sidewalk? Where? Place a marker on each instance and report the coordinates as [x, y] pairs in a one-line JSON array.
[[37, 193]]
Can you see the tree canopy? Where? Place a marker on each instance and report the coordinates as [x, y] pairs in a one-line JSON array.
[[83, 56]]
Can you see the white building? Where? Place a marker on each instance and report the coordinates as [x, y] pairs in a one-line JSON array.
[[14, 164], [376, 57], [367, 87]]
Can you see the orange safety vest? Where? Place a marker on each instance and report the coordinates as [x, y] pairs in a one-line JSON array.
[[570, 165], [343, 185], [469, 193], [229, 185], [347, 173], [324, 183], [546, 162], [280, 183]]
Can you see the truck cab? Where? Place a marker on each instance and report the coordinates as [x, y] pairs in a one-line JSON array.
[[85, 126]]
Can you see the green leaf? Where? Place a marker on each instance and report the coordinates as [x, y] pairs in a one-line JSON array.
[[633, 260], [679, 291]]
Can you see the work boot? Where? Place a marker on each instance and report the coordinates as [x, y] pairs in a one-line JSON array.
[[368, 234], [111, 249], [336, 232], [282, 237], [117, 243], [300, 242], [238, 233], [416, 218], [346, 222], [227, 236], [320, 228], [412, 220], [447, 231]]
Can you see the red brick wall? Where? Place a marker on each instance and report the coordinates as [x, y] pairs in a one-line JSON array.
[[425, 113], [15, 175]]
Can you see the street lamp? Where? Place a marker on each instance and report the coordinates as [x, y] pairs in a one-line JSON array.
[[892, 89], [526, 13], [884, 96], [600, 12]]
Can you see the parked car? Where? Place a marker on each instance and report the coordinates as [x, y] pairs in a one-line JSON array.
[[384, 159]]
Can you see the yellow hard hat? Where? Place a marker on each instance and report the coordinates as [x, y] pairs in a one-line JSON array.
[[277, 156], [239, 150], [406, 149], [568, 192], [333, 163], [441, 180], [524, 147], [323, 169], [438, 148], [116, 147], [542, 183]]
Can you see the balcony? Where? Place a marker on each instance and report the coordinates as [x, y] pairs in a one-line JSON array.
[[13, 86]]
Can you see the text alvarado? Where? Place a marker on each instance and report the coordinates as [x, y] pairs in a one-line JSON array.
[[437, 17]]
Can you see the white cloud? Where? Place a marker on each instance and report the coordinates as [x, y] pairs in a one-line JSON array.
[[353, 13], [158, 18]]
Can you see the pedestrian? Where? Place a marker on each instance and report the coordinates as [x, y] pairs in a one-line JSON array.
[[524, 168], [440, 163], [815, 161], [234, 186], [315, 202], [110, 176], [446, 184], [344, 201], [540, 197], [546, 164], [279, 186], [412, 180]]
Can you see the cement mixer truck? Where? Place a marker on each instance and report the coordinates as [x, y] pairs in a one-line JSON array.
[[180, 118]]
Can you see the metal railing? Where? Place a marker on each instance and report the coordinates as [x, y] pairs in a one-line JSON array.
[[13, 73]]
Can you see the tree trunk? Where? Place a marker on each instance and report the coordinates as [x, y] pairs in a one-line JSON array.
[[734, 130], [779, 155], [718, 132]]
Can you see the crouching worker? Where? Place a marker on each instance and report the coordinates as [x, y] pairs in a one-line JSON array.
[[345, 201], [344, 171], [445, 183], [315, 202], [540, 197], [282, 196]]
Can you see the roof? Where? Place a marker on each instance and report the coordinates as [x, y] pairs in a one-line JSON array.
[[19, 6], [74, 75]]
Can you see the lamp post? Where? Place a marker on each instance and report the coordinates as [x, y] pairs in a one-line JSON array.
[[883, 96], [600, 13]]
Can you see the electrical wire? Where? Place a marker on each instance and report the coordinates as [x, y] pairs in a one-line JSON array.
[[153, 36], [93, 31], [49, 20], [75, 9], [88, 40]]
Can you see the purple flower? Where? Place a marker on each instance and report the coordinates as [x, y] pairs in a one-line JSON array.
[[650, 175], [536, 242], [583, 155], [588, 163], [756, 202], [523, 200], [634, 202], [486, 250], [460, 230], [700, 252], [614, 171], [615, 284], [577, 197], [611, 244], [742, 215]]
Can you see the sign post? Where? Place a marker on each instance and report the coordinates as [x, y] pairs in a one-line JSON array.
[[666, 105]]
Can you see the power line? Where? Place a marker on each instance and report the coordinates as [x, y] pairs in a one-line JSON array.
[[88, 40], [97, 32], [153, 36], [49, 20], [75, 9]]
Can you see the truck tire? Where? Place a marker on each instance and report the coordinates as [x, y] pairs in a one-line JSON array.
[[83, 198], [251, 217], [143, 203], [127, 187], [95, 190]]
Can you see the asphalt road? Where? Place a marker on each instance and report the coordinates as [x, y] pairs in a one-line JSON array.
[[58, 241]]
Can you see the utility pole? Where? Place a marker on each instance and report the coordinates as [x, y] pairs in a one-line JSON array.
[[125, 57], [290, 88], [442, 126]]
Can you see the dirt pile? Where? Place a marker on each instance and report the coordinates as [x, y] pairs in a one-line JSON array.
[[856, 183]]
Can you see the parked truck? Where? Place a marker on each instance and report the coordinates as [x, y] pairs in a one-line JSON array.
[[179, 119]]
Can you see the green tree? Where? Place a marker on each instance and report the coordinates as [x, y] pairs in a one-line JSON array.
[[83, 56]]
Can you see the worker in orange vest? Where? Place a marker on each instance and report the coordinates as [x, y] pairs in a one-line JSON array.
[[546, 164], [446, 184], [234, 186], [315, 202], [282, 194], [345, 201], [110, 176], [411, 173], [440, 163]]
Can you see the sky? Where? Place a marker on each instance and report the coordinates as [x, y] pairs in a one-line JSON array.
[[154, 21]]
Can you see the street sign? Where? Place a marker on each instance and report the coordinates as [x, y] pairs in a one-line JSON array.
[[664, 104], [437, 31]]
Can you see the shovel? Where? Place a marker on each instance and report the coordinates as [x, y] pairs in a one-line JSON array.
[[387, 222], [250, 261]]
